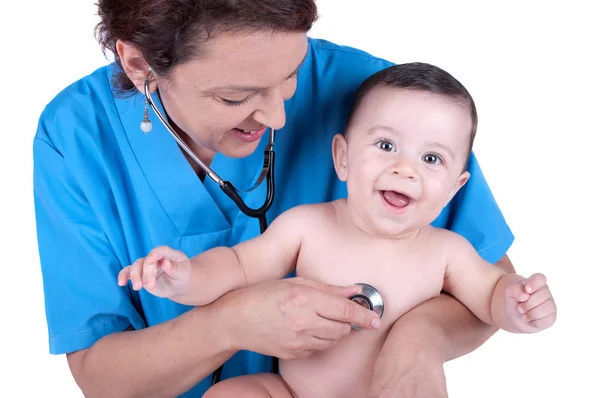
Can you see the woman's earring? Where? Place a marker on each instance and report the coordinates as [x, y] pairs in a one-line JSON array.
[[146, 124]]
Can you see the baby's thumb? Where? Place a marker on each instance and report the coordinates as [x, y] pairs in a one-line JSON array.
[[168, 267], [517, 291], [534, 282]]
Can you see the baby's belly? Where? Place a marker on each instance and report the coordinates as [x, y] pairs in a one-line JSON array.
[[343, 371]]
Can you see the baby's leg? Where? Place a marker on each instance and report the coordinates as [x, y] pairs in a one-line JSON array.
[[262, 385]]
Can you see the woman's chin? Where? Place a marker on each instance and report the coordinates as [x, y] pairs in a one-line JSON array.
[[240, 150]]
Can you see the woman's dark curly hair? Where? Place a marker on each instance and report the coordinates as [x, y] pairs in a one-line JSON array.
[[171, 32]]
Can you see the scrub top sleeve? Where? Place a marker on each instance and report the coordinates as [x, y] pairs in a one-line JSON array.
[[79, 268], [474, 214]]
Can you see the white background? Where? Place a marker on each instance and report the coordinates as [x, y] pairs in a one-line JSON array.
[[531, 67]]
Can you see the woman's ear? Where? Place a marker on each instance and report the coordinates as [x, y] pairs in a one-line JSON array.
[[462, 180], [340, 156], [134, 65]]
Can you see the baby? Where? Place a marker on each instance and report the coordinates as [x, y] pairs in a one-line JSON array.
[[403, 156]]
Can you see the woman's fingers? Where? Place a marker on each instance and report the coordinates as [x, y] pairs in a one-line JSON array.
[[317, 344], [341, 309], [327, 329], [331, 302]]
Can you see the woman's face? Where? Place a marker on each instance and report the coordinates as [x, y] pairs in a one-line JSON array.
[[225, 99]]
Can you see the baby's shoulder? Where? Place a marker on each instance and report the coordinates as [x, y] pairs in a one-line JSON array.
[[450, 244], [308, 214], [444, 238]]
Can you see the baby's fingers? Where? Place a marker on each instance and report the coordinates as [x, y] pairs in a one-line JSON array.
[[535, 299], [165, 252], [544, 323], [149, 274], [517, 292], [135, 274], [543, 315], [123, 276], [534, 283]]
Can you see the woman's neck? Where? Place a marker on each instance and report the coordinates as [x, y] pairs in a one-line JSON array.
[[201, 153], [206, 156]]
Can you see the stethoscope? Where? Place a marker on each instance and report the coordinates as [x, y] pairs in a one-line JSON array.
[[226, 186], [368, 296], [229, 189]]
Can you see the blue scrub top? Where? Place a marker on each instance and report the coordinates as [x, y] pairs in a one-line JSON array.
[[106, 194]]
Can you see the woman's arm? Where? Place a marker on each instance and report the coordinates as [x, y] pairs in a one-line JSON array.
[[160, 361], [168, 359], [411, 361]]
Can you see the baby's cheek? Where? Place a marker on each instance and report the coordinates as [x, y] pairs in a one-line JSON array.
[[435, 199]]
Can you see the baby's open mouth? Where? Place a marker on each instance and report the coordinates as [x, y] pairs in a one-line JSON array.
[[396, 199]]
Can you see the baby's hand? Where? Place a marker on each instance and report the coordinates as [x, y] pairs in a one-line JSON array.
[[165, 272], [529, 305]]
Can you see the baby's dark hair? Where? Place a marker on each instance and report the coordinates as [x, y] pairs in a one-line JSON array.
[[419, 77]]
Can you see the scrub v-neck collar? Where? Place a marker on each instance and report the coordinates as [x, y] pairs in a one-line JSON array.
[[194, 207]]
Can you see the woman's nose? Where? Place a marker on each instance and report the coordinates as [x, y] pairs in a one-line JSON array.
[[272, 111], [271, 114]]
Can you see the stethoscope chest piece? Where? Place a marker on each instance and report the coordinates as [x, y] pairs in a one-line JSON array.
[[369, 298]]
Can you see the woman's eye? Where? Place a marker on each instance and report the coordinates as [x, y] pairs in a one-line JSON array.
[[235, 103], [386, 146], [432, 158]]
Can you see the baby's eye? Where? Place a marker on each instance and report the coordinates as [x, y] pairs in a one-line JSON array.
[[385, 146], [432, 158]]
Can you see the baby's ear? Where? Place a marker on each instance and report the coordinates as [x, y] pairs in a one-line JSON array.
[[339, 148], [462, 180]]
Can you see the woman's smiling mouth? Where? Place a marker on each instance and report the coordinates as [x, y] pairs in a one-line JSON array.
[[248, 135]]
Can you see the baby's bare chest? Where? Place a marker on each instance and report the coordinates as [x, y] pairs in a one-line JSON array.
[[405, 275]]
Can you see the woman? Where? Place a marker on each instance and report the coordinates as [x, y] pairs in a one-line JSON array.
[[107, 192]]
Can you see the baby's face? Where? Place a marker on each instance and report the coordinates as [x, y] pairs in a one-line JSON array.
[[403, 159]]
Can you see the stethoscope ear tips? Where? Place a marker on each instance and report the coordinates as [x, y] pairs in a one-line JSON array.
[[368, 297]]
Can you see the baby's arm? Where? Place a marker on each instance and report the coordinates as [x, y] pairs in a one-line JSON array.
[[269, 256], [509, 301], [166, 272]]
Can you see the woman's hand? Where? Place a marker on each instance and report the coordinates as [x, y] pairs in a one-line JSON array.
[[292, 318]]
